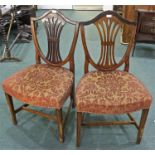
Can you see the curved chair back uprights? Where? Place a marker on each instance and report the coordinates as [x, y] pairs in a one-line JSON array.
[[54, 21], [46, 84], [109, 90], [108, 25]]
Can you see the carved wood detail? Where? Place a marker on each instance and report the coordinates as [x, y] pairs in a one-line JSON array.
[[108, 25], [54, 22], [53, 26], [108, 30]]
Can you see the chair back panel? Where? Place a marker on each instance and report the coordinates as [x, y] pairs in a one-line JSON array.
[[53, 22], [108, 25], [53, 25]]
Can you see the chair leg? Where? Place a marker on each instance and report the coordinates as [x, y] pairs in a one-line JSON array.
[[142, 125], [72, 97], [11, 107], [78, 130], [60, 125], [133, 51]]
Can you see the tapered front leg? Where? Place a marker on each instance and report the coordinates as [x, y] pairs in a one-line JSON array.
[[11, 107], [142, 125], [78, 130], [72, 96], [60, 125]]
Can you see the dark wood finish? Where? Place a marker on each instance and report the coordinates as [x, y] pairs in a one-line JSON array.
[[118, 9], [132, 119], [107, 62], [49, 117], [142, 125], [21, 108], [60, 125], [78, 131], [129, 12], [72, 96], [108, 123], [145, 32], [104, 26], [53, 21], [53, 54], [67, 114], [11, 107]]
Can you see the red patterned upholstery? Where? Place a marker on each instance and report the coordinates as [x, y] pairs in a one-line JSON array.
[[114, 92], [40, 85]]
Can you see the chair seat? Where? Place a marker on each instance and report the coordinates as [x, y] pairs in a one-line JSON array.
[[40, 85], [114, 92]]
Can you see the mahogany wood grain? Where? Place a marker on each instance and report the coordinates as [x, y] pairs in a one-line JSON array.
[[108, 24], [53, 22]]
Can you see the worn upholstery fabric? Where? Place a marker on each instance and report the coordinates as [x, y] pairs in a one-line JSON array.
[[40, 85], [114, 92]]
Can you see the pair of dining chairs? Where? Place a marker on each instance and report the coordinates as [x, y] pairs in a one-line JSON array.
[[106, 90]]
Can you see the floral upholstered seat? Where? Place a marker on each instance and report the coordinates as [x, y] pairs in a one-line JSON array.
[[107, 90], [40, 85], [114, 92], [50, 81]]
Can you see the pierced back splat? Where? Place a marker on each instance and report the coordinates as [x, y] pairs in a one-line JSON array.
[[108, 25], [108, 30], [53, 26], [54, 22]]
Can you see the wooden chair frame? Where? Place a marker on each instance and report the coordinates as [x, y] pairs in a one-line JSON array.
[[108, 65], [52, 58]]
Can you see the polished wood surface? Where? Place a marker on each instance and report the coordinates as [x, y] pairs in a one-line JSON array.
[[145, 32], [53, 28], [108, 24], [107, 62], [78, 131], [142, 125], [130, 13], [60, 125], [53, 21], [11, 107], [56, 23]]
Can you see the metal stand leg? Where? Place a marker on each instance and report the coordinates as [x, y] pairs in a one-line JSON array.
[[7, 51], [23, 35]]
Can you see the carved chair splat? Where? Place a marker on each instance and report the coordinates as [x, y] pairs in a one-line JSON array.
[[93, 83], [44, 92]]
